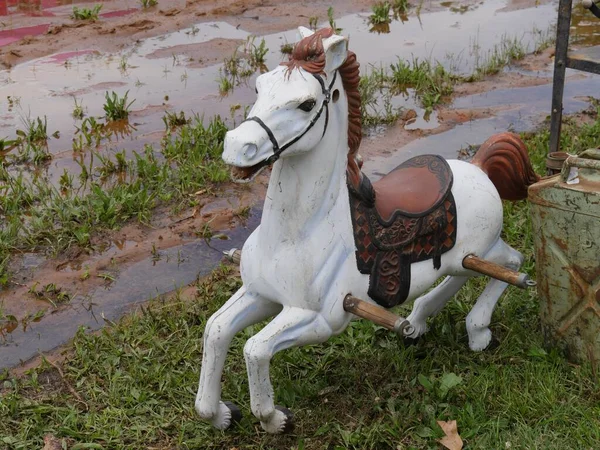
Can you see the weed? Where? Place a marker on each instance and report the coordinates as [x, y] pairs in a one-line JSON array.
[[123, 65], [332, 23], [173, 120], [287, 48], [148, 3], [77, 110], [117, 108], [86, 13], [35, 130], [313, 23], [50, 293], [504, 53], [430, 81], [257, 53], [381, 13], [400, 7], [225, 85]]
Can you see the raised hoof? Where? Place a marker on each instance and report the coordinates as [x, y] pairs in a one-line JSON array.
[[236, 413], [288, 424]]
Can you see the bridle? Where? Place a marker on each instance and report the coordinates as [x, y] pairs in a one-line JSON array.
[[277, 150]]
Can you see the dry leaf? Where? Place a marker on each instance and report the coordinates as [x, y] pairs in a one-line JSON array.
[[452, 440], [51, 443]]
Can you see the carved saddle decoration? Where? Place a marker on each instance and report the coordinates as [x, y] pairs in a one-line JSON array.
[[406, 217]]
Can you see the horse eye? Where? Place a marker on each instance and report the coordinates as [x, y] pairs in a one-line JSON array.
[[308, 105]]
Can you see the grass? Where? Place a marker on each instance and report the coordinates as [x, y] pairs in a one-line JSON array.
[[38, 217], [380, 14], [239, 67], [287, 48], [86, 13], [78, 112], [332, 24], [148, 3], [117, 108], [132, 385]]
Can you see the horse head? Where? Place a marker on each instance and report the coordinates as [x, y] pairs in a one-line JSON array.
[[291, 112]]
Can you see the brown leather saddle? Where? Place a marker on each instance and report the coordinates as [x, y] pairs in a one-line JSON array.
[[406, 217]]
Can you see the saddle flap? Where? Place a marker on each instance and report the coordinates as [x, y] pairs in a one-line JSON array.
[[414, 188]]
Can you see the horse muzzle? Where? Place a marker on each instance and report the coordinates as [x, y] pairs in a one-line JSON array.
[[248, 151]]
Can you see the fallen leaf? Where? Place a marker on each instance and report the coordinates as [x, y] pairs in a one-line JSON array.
[[51, 443], [452, 440]]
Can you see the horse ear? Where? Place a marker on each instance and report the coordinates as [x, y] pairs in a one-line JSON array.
[[304, 32], [336, 52]]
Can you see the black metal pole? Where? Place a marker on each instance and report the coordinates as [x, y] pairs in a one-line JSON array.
[[560, 66]]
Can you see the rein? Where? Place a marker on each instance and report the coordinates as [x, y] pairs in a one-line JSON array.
[[277, 150]]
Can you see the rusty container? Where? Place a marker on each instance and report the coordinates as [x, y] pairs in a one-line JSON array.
[[565, 212]]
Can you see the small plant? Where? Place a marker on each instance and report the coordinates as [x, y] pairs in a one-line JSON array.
[[257, 53], [117, 108], [35, 130], [400, 8], [313, 22], [332, 23], [381, 13], [86, 13], [123, 65], [51, 293], [225, 85], [148, 3], [77, 110], [172, 120], [286, 48]]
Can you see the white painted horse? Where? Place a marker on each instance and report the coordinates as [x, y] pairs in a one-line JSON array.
[[301, 262]]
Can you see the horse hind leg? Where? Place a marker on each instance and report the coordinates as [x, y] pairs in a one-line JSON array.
[[478, 319], [430, 304]]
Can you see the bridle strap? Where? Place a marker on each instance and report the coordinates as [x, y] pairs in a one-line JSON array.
[[325, 105]]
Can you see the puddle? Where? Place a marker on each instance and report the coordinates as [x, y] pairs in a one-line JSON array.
[[585, 27], [160, 68], [150, 278], [524, 110]]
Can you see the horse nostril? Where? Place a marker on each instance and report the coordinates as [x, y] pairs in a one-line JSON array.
[[250, 150]]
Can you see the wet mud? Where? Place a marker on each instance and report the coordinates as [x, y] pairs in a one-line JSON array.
[[169, 59]]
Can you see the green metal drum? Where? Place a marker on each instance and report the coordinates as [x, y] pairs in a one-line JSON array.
[[565, 212]]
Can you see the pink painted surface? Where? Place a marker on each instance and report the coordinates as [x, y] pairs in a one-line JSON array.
[[10, 36], [60, 58]]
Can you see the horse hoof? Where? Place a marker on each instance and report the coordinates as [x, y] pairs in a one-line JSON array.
[[236, 413], [288, 424], [281, 421]]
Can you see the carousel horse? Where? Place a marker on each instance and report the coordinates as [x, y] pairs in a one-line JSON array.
[[327, 231]]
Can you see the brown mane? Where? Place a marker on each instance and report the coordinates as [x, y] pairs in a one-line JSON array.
[[309, 55]]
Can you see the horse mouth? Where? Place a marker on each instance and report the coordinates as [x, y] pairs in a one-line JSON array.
[[247, 174]]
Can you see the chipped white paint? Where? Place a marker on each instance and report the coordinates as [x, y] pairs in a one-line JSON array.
[[299, 264]]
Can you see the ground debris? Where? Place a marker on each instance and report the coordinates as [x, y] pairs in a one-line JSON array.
[[51, 442], [452, 440]]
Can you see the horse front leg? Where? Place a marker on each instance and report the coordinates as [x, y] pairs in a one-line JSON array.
[[240, 311], [292, 327]]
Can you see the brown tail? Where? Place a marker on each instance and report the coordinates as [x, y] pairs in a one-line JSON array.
[[504, 159]]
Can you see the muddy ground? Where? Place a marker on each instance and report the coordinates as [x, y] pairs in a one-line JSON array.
[[112, 267]]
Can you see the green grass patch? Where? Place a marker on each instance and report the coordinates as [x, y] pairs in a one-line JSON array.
[[90, 14], [117, 108], [133, 385], [36, 216]]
